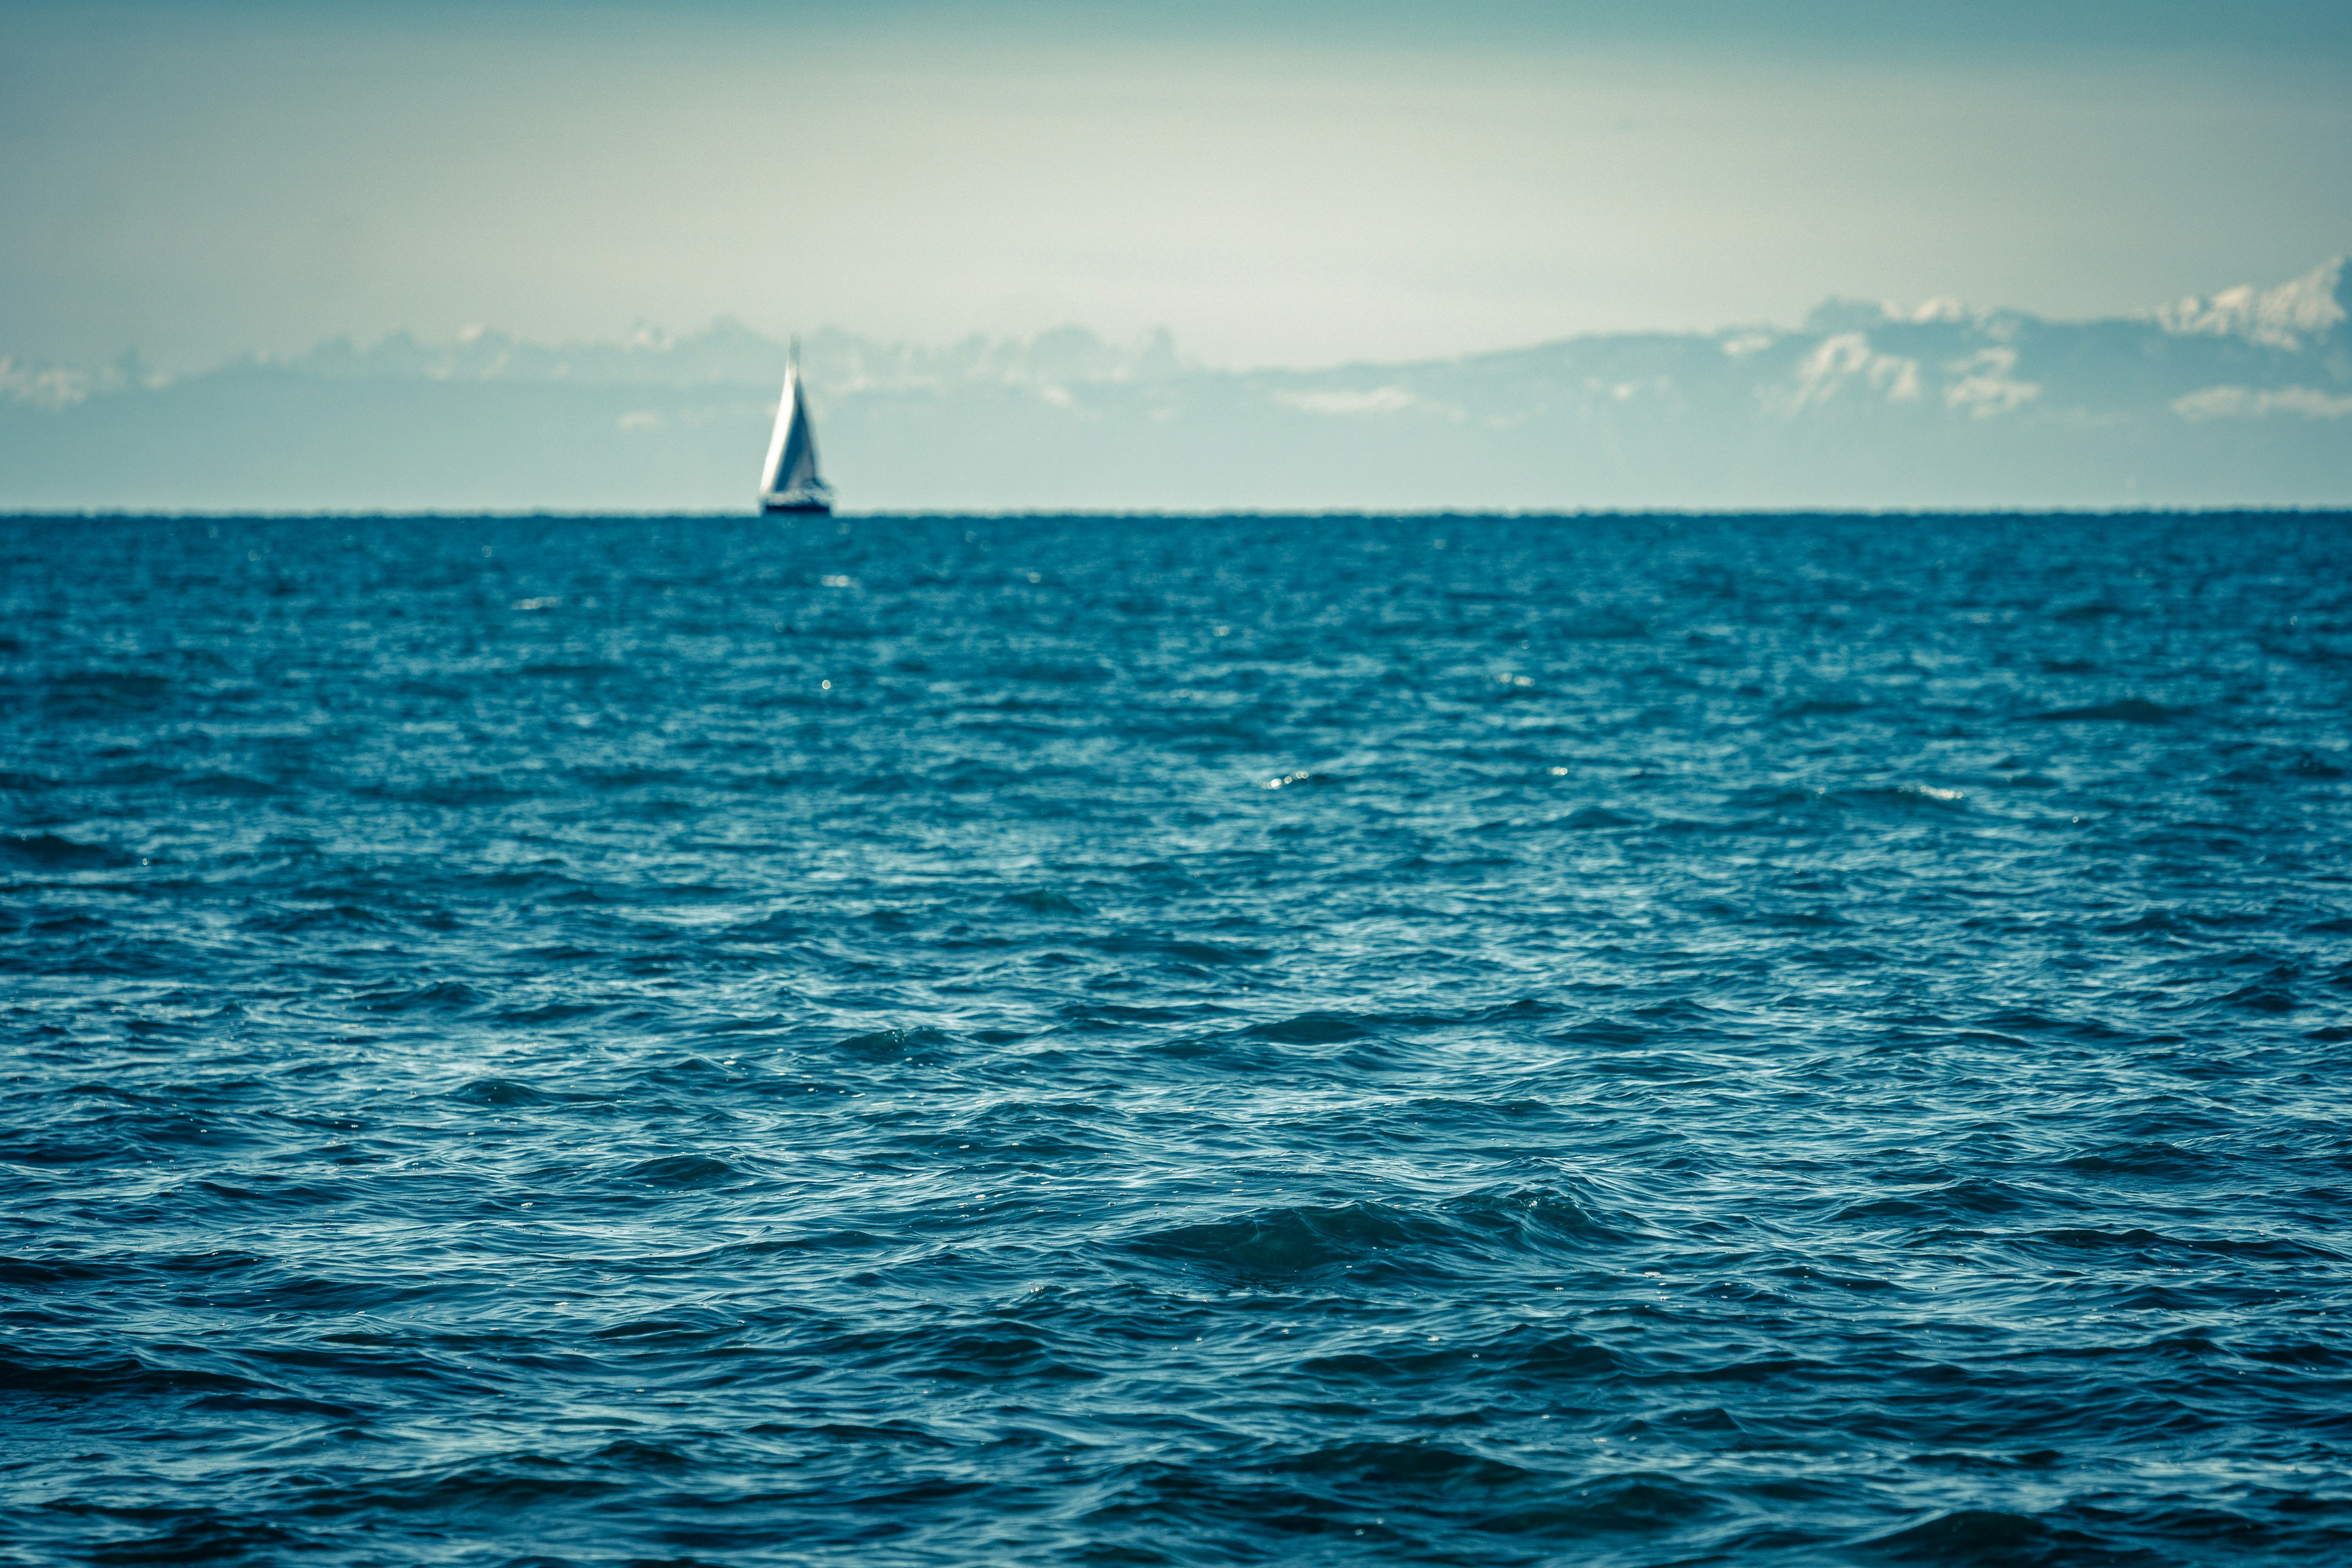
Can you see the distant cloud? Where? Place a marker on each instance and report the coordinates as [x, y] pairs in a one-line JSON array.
[[45, 386], [2246, 402], [1380, 400], [62, 386], [1843, 359], [1988, 385], [2285, 317]]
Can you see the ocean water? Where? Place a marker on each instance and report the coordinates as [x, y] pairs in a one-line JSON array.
[[1474, 1040]]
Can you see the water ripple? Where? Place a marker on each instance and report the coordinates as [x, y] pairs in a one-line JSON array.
[[1623, 1041]]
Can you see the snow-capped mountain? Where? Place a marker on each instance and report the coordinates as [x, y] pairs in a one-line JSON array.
[[2244, 396]]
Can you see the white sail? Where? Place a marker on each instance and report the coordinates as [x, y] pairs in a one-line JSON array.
[[788, 480]]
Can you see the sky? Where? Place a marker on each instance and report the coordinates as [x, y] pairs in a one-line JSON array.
[[1277, 183]]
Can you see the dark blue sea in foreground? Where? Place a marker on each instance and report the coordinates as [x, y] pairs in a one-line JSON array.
[[1483, 1041]]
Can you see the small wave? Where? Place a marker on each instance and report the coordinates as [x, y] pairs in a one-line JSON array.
[[2261, 997], [1906, 797], [1285, 1242], [51, 853], [999, 1352], [1113, 1015], [779, 927], [1801, 919], [1072, 674], [2137, 1240], [829, 1241], [1606, 622], [917, 1043], [196, 1536], [1988, 1536], [2148, 1160], [1309, 1029], [118, 1374], [40, 1273], [457, 794], [229, 786], [1044, 901], [1607, 1033], [1407, 1466], [2129, 710], [696, 1327], [1617, 1505], [1836, 958], [1183, 950], [560, 671], [1969, 1198], [94, 693], [501, 1091], [680, 1170], [547, 1013], [1542, 1218], [344, 918], [442, 996]]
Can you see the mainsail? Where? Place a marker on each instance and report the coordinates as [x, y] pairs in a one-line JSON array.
[[789, 482]]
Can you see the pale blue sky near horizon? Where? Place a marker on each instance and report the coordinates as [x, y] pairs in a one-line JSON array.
[[1276, 183]]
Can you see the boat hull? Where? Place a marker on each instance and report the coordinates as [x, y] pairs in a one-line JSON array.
[[796, 508]]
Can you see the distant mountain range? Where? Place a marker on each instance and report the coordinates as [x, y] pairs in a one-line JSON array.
[[2244, 397]]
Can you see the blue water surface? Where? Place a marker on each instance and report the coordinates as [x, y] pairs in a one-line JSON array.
[[907, 1040]]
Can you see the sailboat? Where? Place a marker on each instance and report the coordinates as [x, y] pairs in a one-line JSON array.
[[789, 482]]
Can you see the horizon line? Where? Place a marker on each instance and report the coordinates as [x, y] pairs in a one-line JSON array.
[[2251, 509]]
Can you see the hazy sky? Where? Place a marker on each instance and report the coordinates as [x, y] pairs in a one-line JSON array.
[[1277, 183]]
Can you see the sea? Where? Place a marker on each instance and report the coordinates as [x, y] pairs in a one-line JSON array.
[[1131, 1041]]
